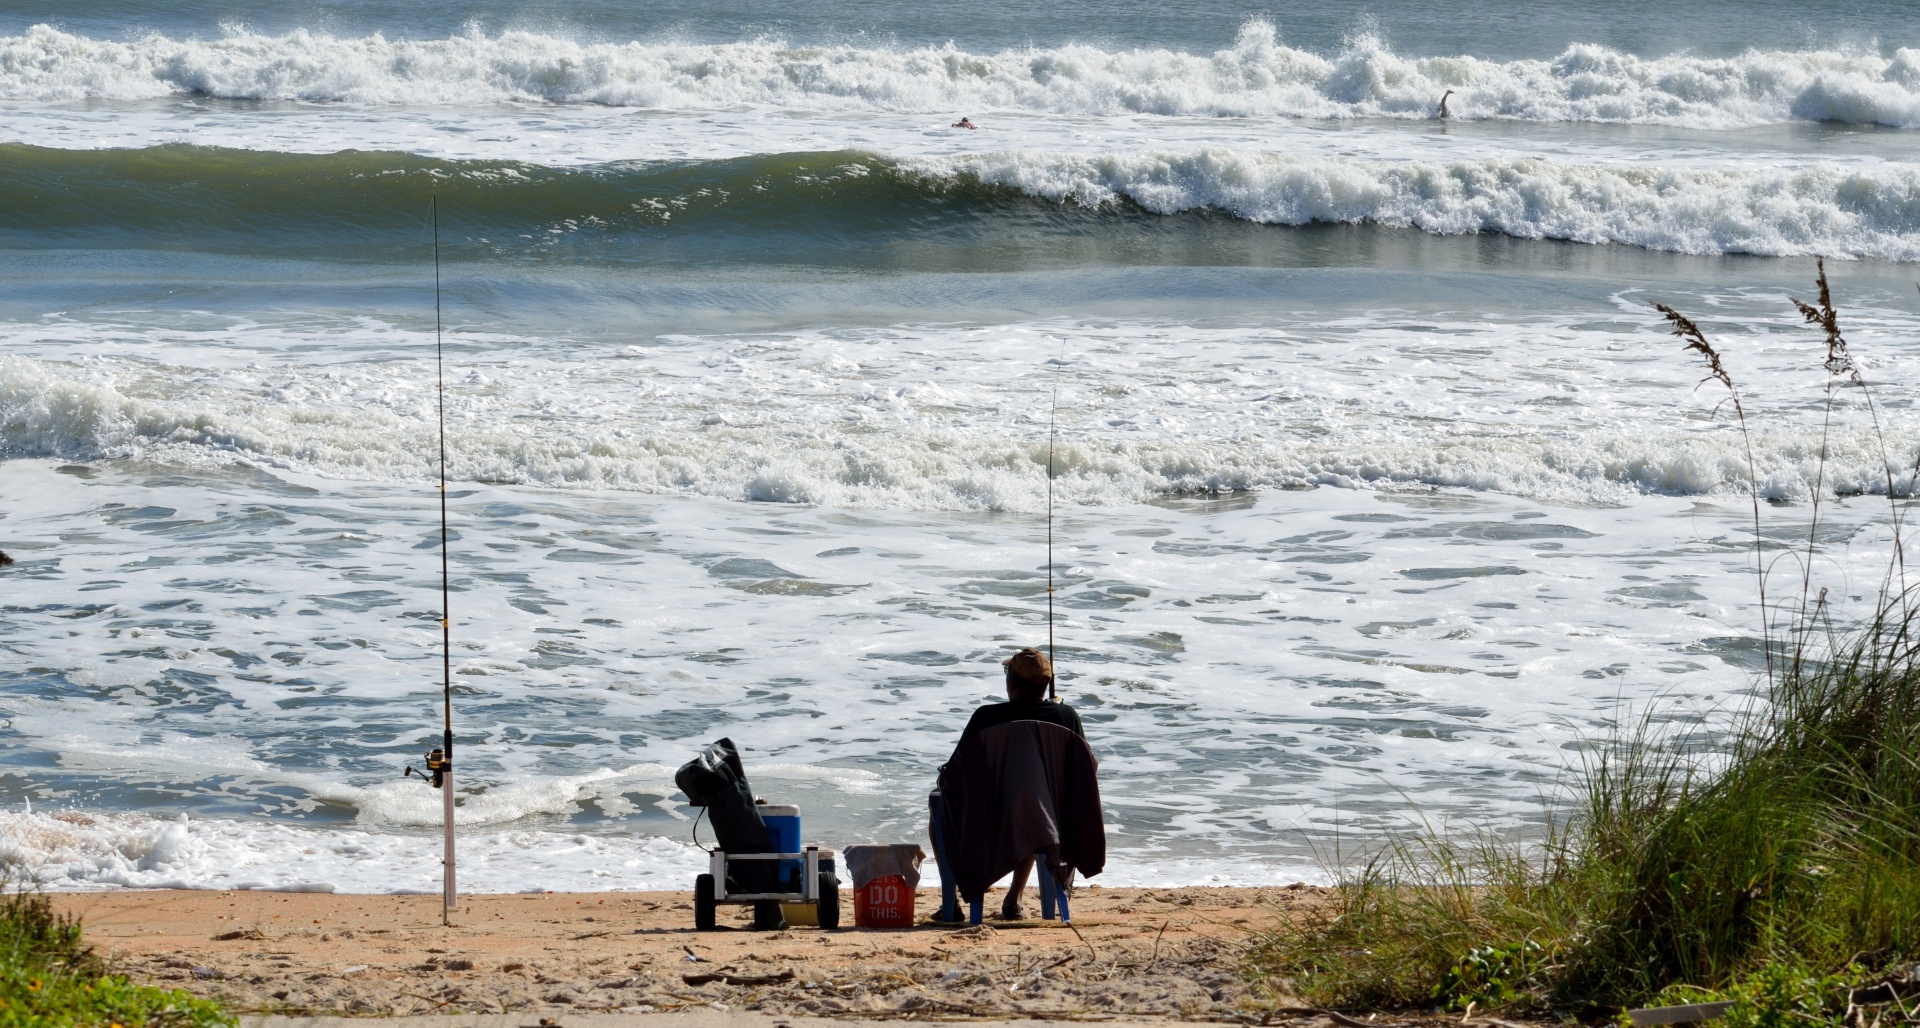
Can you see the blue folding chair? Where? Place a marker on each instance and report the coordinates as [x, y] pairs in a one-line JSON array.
[[1052, 896]]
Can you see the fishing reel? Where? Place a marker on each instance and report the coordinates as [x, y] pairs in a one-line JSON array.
[[438, 765]]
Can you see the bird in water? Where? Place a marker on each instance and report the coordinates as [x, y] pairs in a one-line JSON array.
[[1444, 113]]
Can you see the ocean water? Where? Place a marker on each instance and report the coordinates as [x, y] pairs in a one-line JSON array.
[[1380, 490]]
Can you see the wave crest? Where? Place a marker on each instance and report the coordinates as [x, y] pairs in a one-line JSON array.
[[1257, 76], [236, 197], [1825, 209]]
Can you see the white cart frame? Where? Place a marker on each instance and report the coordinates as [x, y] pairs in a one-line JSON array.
[[710, 889], [809, 879]]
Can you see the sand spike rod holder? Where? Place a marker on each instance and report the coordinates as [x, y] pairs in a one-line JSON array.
[[439, 772]]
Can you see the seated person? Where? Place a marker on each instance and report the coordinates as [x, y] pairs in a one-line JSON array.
[[1029, 674]]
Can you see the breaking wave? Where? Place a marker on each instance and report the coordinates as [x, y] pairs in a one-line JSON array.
[[1823, 210], [1257, 76], [352, 199], [855, 443]]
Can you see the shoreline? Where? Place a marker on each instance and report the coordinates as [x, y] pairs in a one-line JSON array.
[[1136, 953]]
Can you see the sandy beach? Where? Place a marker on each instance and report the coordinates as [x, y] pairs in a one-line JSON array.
[[1161, 953]]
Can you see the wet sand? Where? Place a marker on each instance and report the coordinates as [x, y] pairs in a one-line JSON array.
[[1158, 953]]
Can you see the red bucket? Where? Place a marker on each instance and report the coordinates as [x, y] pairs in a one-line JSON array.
[[884, 902]]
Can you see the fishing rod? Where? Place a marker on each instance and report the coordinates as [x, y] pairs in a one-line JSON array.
[[1053, 435], [1053, 406], [440, 761]]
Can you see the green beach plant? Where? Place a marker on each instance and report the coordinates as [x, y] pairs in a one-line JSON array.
[[50, 978], [1773, 861]]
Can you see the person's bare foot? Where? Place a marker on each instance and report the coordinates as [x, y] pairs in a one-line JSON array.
[[1011, 911]]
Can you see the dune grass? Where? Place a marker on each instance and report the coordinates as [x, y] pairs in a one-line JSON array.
[[49, 978], [1775, 862]]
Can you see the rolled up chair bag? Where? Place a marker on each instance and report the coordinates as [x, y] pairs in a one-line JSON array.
[[716, 780]]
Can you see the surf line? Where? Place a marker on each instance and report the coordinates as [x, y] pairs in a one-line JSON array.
[[439, 773]]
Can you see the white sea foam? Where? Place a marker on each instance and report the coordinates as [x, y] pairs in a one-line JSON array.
[[72, 849], [103, 746], [1820, 210], [924, 418], [1257, 76], [1242, 671]]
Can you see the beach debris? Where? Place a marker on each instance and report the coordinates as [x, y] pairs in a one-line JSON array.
[[692, 957], [738, 979], [355, 969], [1873, 995], [208, 973], [1353, 1022], [1893, 990], [457, 965], [1686, 1013], [241, 933], [1083, 942]]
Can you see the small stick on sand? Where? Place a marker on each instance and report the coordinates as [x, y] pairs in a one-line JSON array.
[[1083, 942]]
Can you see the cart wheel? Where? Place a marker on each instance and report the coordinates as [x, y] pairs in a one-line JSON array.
[[703, 904], [829, 903]]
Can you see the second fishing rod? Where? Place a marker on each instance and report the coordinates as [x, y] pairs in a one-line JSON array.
[[439, 762], [1053, 407]]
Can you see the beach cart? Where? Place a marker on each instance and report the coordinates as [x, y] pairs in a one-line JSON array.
[[811, 883]]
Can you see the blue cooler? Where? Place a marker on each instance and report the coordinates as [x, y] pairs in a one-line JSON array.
[[783, 822]]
